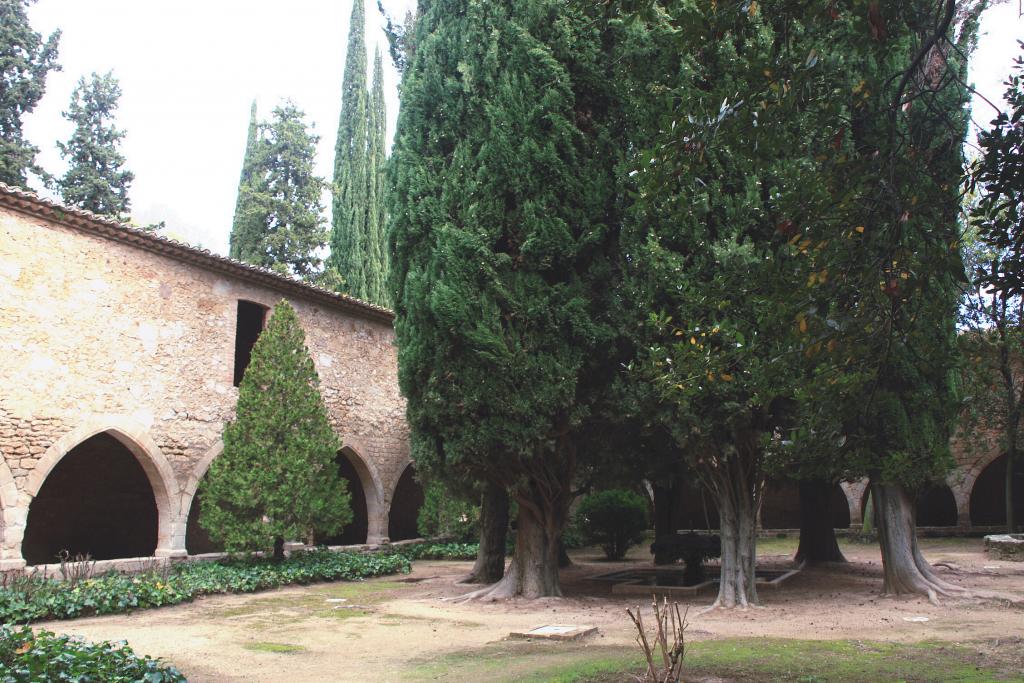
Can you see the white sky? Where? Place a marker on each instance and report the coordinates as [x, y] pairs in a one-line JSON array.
[[189, 69]]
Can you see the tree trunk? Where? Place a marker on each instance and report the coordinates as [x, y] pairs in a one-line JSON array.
[[817, 537], [905, 569], [1011, 518], [490, 558], [737, 514], [278, 549], [533, 572]]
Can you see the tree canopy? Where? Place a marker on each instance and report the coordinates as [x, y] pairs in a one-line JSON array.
[[25, 59], [96, 179], [503, 247], [278, 222]]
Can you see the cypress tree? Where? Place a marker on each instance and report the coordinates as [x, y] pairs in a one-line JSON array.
[[503, 246], [24, 62], [276, 479], [376, 266], [278, 211], [95, 180], [243, 236], [349, 249]]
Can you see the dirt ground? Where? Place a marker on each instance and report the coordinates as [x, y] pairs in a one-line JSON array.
[[411, 627]]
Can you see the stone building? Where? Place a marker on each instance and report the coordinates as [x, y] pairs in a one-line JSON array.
[[120, 356]]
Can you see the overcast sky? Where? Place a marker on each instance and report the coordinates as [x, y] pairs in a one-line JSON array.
[[189, 69]]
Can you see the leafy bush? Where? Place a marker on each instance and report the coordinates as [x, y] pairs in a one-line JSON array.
[[44, 656], [613, 519], [445, 515], [438, 551], [31, 598]]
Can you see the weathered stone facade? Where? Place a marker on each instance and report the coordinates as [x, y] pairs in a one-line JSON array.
[[105, 329]]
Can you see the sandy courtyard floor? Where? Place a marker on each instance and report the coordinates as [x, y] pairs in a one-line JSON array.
[[410, 627]]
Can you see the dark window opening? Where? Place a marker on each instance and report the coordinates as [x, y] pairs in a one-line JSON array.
[[97, 501], [250, 323], [405, 507]]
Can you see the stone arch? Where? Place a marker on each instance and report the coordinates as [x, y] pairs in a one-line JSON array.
[[12, 517], [193, 538], [366, 495], [150, 458], [988, 493], [406, 500]]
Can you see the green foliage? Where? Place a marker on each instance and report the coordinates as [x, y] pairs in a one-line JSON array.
[[44, 656], [999, 175], [358, 239], [276, 478], [278, 222], [245, 232], [613, 519], [446, 515], [24, 62], [503, 240], [438, 551], [33, 598], [95, 180]]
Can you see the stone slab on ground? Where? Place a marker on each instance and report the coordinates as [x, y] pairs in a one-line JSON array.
[[1006, 546], [555, 632]]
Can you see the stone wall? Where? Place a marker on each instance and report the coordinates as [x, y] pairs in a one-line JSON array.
[[98, 334]]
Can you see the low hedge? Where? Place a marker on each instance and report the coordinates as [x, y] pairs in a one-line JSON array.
[[44, 656], [28, 598], [438, 551]]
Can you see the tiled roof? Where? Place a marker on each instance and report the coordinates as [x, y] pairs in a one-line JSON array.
[[33, 205]]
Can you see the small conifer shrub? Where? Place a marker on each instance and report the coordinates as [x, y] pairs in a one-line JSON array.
[[276, 479]]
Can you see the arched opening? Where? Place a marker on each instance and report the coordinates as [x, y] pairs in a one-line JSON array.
[[936, 506], [405, 507], [197, 539], [780, 507], [355, 532], [96, 501], [988, 497], [840, 508]]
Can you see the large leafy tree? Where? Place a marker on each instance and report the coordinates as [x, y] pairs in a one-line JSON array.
[[716, 279], [25, 59], [862, 108], [96, 179], [993, 308], [999, 176], [503, 255], [992, 344], [276, 479], [278, 222]]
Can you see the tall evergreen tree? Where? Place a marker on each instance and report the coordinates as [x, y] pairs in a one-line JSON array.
[[24, 62], [96, 180], [278, 214], [376, 266], [245, 233], [276, 479], [349, 234], [503, 219]]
